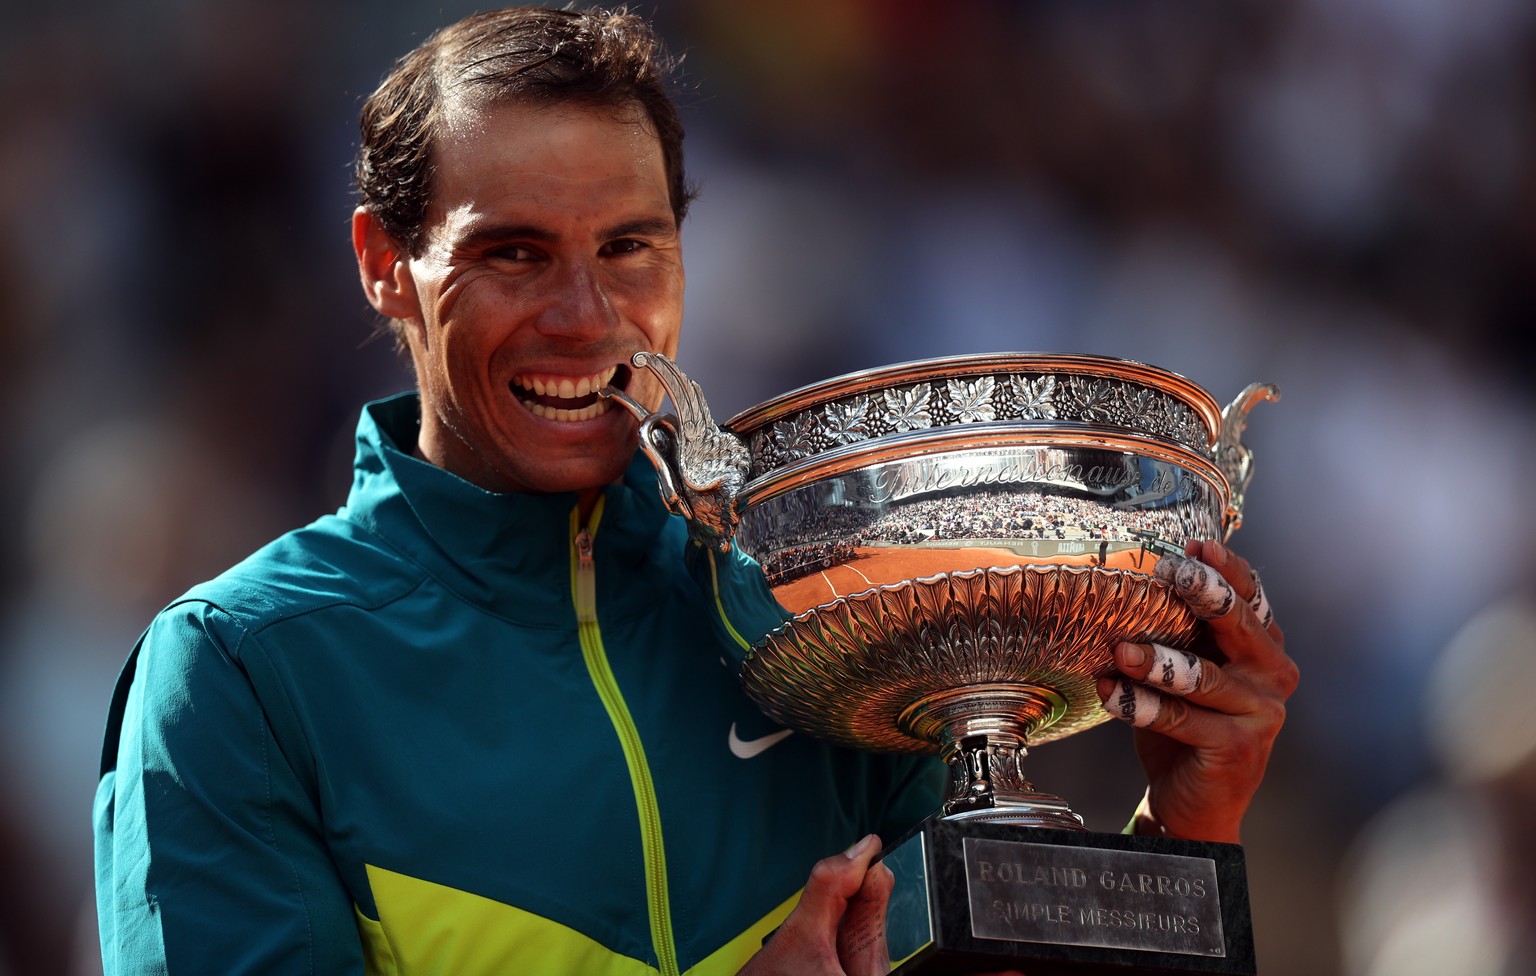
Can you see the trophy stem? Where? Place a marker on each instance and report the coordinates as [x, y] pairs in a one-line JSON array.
[[981, 731]]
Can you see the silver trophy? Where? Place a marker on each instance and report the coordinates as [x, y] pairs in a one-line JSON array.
[[960, 543]]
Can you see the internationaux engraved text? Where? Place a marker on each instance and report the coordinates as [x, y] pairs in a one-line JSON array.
[[897, 481]]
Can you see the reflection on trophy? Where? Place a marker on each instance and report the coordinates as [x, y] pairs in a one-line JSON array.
[[960, 543]]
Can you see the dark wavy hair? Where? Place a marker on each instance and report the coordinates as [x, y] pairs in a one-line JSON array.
[[597, 57]]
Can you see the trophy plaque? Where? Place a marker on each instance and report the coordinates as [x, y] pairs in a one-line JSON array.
[[959, 544]]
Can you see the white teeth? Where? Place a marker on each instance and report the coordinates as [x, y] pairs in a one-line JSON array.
[[569, 416], [564, 387]]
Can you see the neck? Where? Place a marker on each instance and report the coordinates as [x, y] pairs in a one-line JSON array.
[[586, 498], [586, 501]]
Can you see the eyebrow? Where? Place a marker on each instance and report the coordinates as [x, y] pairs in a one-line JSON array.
[[643, 227], [494, 234]]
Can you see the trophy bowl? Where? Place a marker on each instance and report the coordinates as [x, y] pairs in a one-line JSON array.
[[959, 544]]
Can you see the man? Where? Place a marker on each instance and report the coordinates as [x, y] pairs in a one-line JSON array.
[[477, 721]]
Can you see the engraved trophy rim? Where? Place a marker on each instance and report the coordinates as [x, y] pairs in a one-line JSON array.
[[1070, 400], [939, 367]]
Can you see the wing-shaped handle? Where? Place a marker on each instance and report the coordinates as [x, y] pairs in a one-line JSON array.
[[700, 467], [1234, 458]]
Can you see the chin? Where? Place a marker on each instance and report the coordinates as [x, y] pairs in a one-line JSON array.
[[584, 474]]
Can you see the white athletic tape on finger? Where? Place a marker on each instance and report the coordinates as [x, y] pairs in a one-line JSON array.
[[1177, 672], [1260, 602], [1134, 703], [1198, 585]]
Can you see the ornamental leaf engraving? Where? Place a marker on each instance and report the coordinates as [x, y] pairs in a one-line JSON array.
[[1143, 408], [907, 407], [796, 437], [971, 400], [1033, 398], [1188, 428], [847, 422], [1091, 399], [947, 401]]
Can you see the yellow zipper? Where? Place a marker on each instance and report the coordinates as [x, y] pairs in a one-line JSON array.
[[584, 592], [714, 581]]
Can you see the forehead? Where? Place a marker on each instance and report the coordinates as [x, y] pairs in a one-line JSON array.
[[571, 159]]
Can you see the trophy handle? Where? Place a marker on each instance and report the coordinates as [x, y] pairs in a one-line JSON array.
[[1234, 458], [700, 467]]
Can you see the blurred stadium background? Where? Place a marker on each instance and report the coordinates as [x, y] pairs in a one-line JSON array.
[[1338, 196]]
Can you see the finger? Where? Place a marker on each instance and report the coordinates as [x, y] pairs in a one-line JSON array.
[[1184, 721], [1146, 708], [1196, 707], [1202, 587], [1251, 644], [1231, 565], [1133, 703], [861, 944], [1243, 578], [1260, 602], [807, 941], [1175, 672], [835, 880], [1164, 671], [1232, 621]]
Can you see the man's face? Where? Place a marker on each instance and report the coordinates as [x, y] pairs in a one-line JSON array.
[[551, 256]]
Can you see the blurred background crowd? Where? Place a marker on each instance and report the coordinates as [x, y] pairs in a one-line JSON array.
[[1337, 196]]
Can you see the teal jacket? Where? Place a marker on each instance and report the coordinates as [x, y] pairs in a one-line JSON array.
[[452, 731]]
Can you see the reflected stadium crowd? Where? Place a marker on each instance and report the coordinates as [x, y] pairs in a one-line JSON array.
[[992, 514], [798, 538]]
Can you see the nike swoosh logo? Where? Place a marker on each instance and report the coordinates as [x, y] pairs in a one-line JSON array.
[[746, 749]]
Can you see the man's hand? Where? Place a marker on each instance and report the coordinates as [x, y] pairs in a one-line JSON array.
[[838, 928], [1205, 724]]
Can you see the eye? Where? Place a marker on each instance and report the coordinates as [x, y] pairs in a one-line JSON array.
[[624, 245], [513, 252]]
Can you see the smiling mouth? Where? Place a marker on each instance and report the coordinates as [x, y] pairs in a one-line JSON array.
[[566, 398]]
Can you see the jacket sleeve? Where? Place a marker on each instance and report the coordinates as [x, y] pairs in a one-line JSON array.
[[745, 610], [209, 851], [910, 787]]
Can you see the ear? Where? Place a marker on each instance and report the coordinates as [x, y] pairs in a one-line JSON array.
[[383, 267]]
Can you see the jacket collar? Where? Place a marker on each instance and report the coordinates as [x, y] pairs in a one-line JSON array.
[[508, 552]]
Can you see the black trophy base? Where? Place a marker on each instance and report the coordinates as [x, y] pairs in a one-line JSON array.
[[974, 896]]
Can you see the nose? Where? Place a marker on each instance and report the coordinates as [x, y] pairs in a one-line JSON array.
[[577, 304]]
